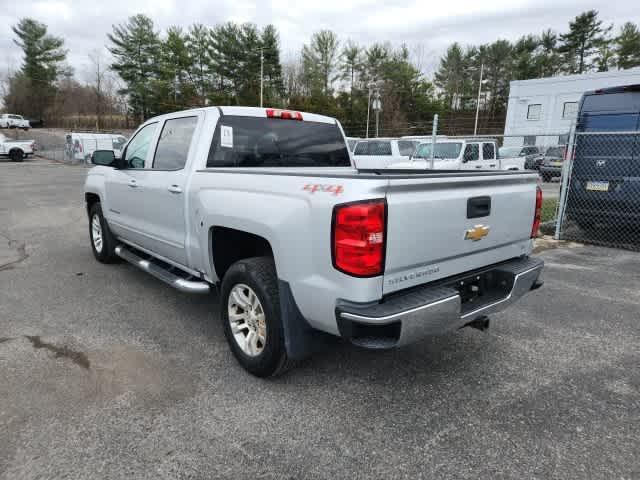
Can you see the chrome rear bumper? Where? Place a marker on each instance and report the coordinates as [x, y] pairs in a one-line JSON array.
[[408, 316]]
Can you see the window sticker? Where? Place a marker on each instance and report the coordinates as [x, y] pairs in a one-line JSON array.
[[226, 136]]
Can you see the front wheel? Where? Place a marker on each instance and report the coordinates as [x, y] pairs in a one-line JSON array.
[[250, 314], [103, 243]]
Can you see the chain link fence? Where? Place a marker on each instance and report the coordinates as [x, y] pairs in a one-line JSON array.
[[600, 195]]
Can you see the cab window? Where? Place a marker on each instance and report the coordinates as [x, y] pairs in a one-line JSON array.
[[488, 151], [174, 142], [138, 147], [471, 152]]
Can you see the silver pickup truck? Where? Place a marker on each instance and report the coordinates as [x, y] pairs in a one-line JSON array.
[[265, 206]]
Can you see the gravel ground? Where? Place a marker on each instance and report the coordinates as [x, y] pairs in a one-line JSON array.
[[107, 373]]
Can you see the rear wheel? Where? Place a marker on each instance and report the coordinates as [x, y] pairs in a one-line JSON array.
[[546, 177], [16, 155], [250, 313], [103, 243]]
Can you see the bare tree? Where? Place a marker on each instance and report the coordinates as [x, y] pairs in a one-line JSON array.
[[97, 74]]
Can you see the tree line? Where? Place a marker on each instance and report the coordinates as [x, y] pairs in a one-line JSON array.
[[151, 72], [587, 46]]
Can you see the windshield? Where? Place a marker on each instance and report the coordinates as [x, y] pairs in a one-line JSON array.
[[273, 142], [444, 151]]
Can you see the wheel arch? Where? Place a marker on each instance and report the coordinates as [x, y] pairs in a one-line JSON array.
[[228, 245], [91, 199]]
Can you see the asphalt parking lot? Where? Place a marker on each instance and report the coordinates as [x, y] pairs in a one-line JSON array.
[[107, 373]]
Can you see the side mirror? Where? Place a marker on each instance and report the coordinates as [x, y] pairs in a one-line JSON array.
[[104, 157]]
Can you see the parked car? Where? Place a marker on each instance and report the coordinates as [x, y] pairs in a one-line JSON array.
[[552, 163], [461, 154], [10, 120], [16, 150], [266, 206], [531, 153], [79, 146], [382, 152], [605, 175]]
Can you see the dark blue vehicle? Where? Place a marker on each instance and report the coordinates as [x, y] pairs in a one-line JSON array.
[[605, 180]]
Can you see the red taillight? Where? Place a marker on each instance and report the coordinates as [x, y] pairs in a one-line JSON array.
[[283, 114], [359, 238], [538, 215]]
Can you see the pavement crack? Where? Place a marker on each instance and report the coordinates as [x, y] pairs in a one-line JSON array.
[[21, 249], [79, 358]]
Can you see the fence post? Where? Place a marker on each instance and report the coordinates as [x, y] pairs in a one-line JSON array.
[[434, 134], [566, 172]]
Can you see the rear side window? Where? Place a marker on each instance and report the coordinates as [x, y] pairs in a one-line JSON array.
[[488, 151], [373, 147], [273, 142], [174, 142]]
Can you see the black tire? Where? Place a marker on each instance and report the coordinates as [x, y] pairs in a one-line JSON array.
[[258, 273], [16, 155], [107, 254], [546, 178]]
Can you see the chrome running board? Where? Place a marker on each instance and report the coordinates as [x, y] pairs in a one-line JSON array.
[[170, 275]]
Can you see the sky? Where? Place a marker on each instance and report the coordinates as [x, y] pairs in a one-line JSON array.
[[427, 27]]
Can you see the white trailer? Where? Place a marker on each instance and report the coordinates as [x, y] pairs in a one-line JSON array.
[[541, 111], [80, 146]]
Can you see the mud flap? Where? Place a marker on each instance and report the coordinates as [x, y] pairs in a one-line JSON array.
[[301, 340]]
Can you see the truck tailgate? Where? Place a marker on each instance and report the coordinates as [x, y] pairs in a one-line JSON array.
[[430, 235]]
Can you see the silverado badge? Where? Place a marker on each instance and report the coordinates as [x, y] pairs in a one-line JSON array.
[[476, 233]]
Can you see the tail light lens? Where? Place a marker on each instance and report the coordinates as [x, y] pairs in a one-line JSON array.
[[359, 238], [538, 215]]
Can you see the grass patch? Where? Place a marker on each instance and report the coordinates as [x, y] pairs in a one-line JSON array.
[[549, 209]]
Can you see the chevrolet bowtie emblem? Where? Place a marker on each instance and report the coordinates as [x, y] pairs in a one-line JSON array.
[[476, 233]]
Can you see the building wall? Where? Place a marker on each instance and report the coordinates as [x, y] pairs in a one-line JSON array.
[[552, 93]]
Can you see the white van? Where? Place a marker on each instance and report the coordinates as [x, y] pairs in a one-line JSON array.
[[80, 146]]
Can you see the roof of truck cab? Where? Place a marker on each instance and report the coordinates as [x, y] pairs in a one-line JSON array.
[[248, 112]]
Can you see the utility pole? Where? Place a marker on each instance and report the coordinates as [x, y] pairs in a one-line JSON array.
[[475, 127], [368, 107], [261, 74], [377, 106]]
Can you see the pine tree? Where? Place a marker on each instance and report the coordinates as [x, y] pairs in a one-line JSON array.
[[583, 40], [273, 84], [43, 56], [627, 48], [198, 43], [320, 59], [136, 49], [175, 81], [548, 61], [450, 76]]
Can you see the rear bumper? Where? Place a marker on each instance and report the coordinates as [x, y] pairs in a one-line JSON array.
[[410, 315]]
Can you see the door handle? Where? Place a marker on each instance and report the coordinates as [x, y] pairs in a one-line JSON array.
[[133, 183], [478, 166], [175, 189], [492, 164]]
